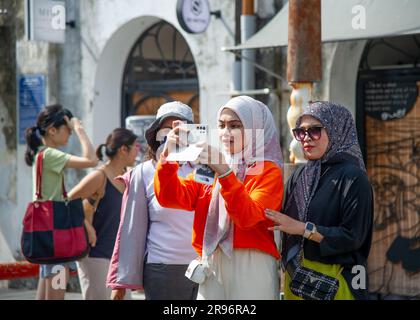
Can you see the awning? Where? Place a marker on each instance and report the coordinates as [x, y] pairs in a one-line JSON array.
[[384, 18]]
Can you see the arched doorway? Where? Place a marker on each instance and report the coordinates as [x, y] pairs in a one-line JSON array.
[[388, 116], [160, 68]]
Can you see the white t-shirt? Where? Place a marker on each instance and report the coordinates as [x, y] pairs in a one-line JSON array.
[[169, 240]]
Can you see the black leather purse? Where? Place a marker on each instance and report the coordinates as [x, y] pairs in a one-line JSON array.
[[309, 284]]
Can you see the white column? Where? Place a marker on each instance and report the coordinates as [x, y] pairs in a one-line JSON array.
[[299, 99]]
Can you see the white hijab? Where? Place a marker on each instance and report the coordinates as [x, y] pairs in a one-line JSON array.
[[261, 143]]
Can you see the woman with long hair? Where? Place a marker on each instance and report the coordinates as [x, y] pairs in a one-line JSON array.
[[102, 195], [52, 131]]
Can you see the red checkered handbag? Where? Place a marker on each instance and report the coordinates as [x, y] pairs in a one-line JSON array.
[[53, 231]]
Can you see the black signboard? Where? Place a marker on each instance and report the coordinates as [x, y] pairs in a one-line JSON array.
[[385, 95], [389, 100]]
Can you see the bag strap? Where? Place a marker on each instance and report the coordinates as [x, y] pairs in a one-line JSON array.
[[39, 167], [101, 194], [104, 183], [39, 175]]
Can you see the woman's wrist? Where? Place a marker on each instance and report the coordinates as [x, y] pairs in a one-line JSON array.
[[80, 131], [316, 237], [225, 174], [301, 228]]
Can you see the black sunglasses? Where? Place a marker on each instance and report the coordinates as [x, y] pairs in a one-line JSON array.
[[313, 132]]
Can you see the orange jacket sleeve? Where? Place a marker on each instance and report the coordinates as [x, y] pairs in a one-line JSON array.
[[246, 202], [172, 191]]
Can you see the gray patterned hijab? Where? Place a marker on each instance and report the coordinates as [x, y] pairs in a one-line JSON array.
[[343, 144]]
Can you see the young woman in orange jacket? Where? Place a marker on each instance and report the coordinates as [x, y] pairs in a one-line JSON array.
[[230, 230]]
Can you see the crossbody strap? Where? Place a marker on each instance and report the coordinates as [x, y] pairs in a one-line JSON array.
[[101, 194], [39, 167]]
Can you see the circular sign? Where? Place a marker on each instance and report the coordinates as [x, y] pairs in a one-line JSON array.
[[193, 15]]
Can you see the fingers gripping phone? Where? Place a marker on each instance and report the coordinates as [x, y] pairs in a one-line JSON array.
[[195, 133], [200, 133], [202, 173]]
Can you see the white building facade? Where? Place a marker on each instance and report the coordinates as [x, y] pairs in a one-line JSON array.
[[86, 76]]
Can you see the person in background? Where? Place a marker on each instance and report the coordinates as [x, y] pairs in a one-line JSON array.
[[153, 247], [102, 195], [52, 131]]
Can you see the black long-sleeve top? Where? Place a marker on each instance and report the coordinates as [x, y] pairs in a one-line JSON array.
[[342, 210]]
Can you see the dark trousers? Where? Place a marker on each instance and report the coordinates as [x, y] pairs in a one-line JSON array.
[[168, 282]]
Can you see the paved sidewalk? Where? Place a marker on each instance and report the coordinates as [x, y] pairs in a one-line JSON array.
[[12, 294]]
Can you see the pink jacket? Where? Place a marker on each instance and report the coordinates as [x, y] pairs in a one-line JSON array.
[[126, 268]]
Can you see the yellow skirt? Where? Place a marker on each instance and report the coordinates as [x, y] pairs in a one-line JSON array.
[[331, 270]]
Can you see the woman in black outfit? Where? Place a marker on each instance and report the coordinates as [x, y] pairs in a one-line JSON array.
[[328, 207]]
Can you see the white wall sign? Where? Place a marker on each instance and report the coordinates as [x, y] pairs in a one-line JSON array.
[[46, 20], [193, 15]]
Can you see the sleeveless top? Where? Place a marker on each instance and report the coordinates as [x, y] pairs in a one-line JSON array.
[[106, 221]]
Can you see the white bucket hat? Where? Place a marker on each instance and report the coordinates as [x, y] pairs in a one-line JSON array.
[[174, 109]]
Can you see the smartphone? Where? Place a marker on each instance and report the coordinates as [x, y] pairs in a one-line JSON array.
[[195, 133]]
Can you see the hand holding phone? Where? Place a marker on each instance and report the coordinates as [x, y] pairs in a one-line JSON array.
[[212, 161], [173, 139], [183, 142]]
